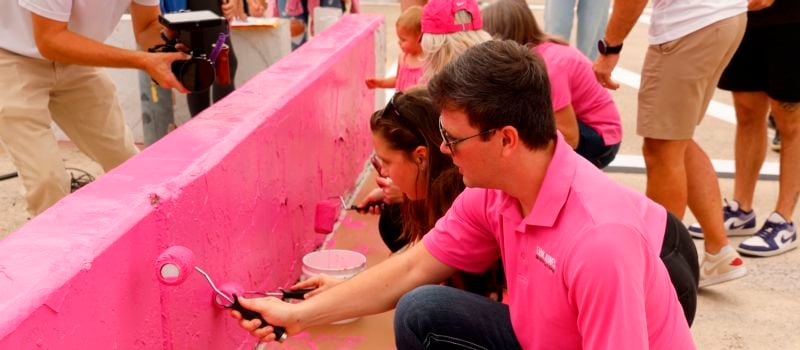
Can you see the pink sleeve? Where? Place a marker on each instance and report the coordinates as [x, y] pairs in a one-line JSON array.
[[462, 238], [560, 93], [606, 284]]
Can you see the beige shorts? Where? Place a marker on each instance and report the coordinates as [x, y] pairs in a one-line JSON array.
[[679, 78]]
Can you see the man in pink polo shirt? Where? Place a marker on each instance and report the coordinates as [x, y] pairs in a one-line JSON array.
[[588, 261]]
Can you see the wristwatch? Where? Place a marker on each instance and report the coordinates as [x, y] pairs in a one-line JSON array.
[[605, 49]]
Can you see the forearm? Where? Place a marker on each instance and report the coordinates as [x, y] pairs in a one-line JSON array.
[[623, 17], [375, 290], [150, 36], [71, 48]]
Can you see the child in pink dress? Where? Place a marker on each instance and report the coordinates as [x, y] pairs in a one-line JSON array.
[[410, 64]]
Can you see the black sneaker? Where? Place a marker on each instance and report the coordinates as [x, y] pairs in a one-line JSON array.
[[76, 182]]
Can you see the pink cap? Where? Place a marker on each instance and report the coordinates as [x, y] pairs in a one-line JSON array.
[[438, 16]]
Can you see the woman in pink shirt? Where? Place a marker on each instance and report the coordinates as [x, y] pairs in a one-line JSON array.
[[585, 112]]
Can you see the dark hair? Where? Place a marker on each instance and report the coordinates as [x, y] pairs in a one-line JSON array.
[[498, 84], [513, 20], [416, 124]]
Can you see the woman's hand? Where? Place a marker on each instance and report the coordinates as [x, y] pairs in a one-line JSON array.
[[319, 283], [274, 311], [392, 194]]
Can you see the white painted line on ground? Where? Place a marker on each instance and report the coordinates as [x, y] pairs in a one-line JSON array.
[[624, 163]]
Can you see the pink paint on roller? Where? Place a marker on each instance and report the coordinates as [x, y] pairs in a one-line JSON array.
[[325, 215], [229, 288], [174, 265]]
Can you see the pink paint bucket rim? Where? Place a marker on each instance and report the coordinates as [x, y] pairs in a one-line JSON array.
[[342, 260]]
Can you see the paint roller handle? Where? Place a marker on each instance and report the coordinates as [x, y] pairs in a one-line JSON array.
[[365, 209], [298, 294], [247, 314]]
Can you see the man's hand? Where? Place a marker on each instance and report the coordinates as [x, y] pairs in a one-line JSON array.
[[159, 66], [603, 67], [755, 5], [274, 311]]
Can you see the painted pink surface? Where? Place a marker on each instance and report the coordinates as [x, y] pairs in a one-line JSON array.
[[237, 186]]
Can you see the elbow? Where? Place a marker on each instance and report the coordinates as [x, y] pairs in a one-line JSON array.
[[45, 49]]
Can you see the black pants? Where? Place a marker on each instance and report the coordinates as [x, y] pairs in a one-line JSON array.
[[201, 100], [680, 257], [390, 226]]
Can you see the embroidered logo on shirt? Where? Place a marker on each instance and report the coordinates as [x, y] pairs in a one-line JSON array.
[[545, 258]]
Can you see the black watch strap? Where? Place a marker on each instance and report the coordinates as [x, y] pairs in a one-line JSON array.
[[605, 49]]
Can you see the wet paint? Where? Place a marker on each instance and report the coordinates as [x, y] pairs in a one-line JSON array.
[[235, 185]]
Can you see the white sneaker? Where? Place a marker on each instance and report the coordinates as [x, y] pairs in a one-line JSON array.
[[722, 267], [776, 237]]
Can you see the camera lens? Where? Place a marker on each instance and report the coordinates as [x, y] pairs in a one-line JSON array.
[[197, 74]]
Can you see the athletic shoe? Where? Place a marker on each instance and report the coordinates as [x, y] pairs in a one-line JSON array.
[[722, 267], [737, 221], [775, 237], [76, 182]]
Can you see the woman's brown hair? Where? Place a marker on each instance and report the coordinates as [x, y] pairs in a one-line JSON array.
[[513, 20], [411, 120]]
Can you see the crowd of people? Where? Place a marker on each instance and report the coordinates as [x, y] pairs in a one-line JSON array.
[[506, 232]]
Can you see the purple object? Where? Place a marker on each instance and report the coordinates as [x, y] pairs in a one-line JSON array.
[[218, 47]]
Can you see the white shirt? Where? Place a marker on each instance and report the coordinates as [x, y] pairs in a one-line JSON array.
[[95, 19], [673, 19]]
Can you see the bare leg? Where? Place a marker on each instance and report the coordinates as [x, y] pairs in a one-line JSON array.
[[666, 173], [787, 119], [704, 197], [751, 147]]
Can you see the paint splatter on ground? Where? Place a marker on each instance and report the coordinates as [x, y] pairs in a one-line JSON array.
[[349, 222], [305, 341]]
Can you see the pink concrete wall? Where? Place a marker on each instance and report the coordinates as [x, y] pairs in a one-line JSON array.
[[237, 185]]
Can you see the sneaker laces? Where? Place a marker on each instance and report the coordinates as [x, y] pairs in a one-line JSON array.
[[76, 182], [767, 231]]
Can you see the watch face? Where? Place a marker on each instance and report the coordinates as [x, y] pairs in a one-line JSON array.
[[601, 47]]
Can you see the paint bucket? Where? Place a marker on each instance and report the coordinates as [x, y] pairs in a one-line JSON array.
[[338, 263]]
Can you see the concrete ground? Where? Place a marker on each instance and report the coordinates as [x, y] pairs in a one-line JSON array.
[[759, 311]]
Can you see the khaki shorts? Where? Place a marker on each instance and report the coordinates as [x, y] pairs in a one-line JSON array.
[[679, 78]]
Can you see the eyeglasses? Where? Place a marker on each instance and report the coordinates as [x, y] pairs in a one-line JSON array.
[[450, 142]]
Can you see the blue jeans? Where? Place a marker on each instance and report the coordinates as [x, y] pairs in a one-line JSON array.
[[592, 20], [439, 317], [592, 147]]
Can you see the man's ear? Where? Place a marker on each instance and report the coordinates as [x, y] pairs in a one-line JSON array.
[[509, 138]]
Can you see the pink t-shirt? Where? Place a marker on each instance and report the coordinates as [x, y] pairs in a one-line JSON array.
[[407, 76], [583, 268], [573, 82]]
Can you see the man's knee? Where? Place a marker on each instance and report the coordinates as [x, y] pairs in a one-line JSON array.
[[661, 152]]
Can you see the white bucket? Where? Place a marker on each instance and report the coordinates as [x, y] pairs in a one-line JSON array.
[[338, 263]]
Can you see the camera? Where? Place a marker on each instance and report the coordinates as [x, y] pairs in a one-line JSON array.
[[191, 30]]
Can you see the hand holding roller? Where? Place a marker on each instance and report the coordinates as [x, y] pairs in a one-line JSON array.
[[172, 268]]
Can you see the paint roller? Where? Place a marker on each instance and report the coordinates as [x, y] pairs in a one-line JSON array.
[[172, 268], [327, 212]]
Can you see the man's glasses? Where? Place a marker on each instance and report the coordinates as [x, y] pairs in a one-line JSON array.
[[450, 142]]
